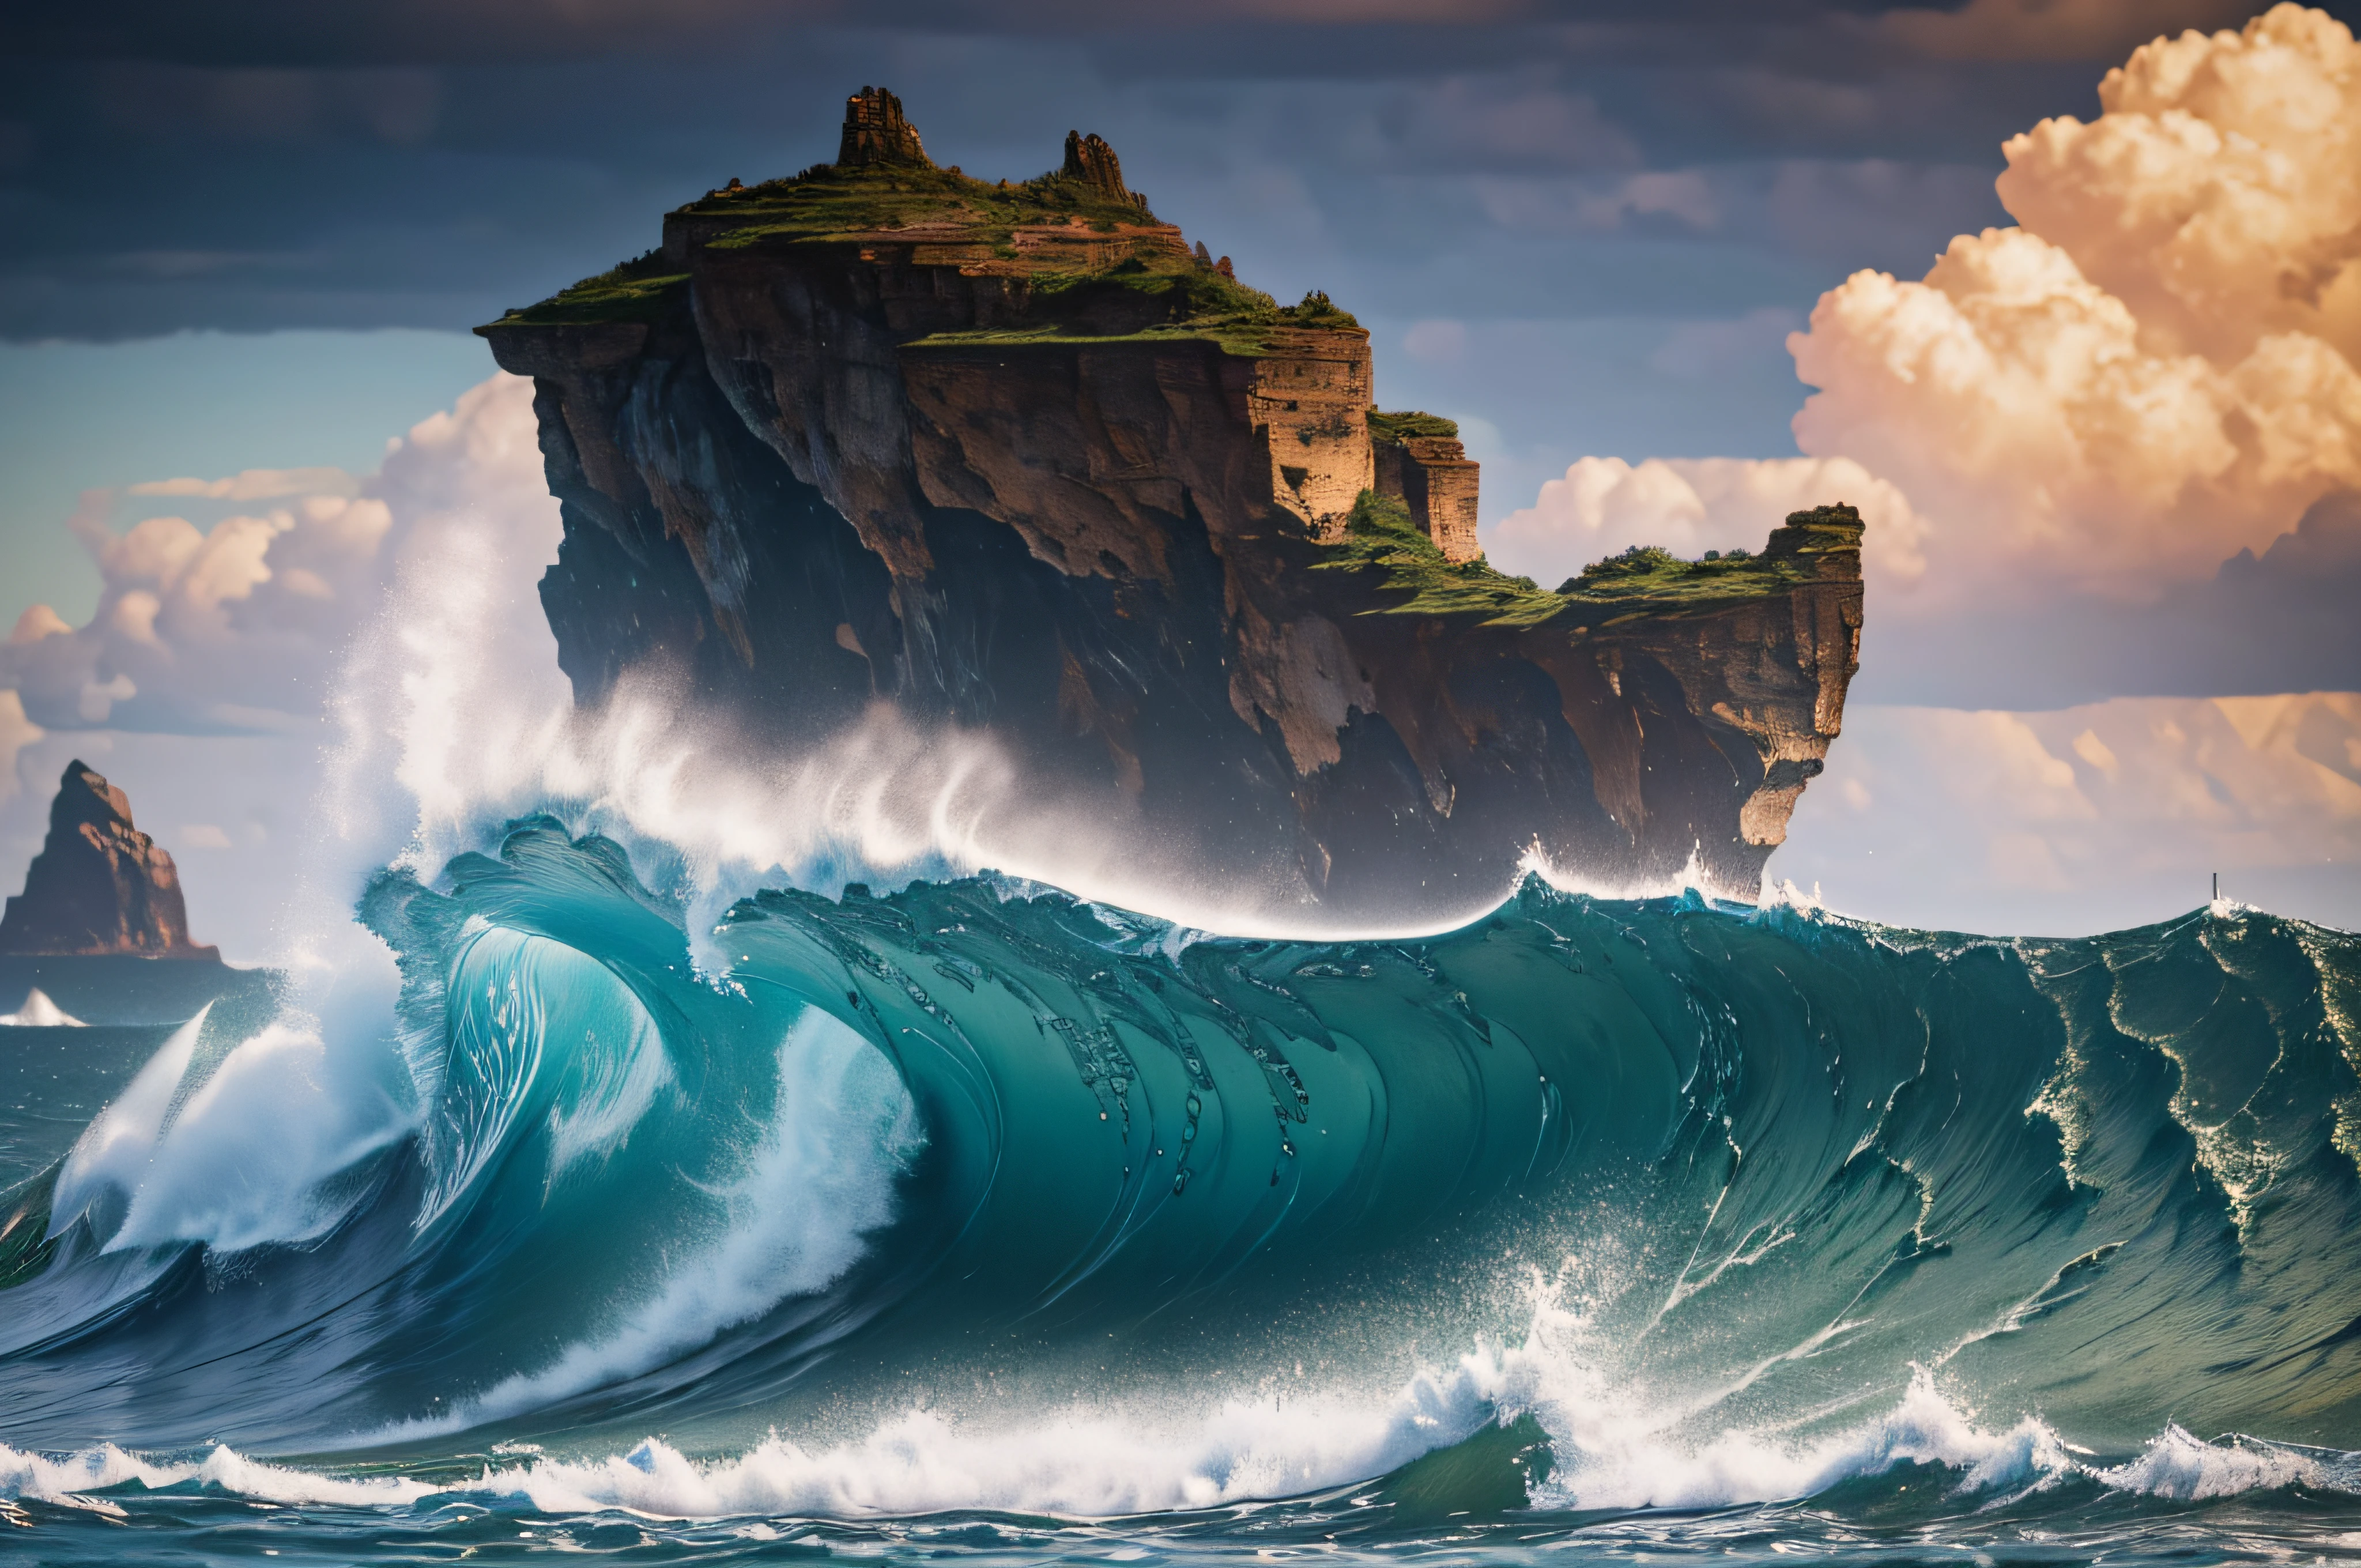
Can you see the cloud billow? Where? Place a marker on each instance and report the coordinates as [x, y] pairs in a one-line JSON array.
[[239, 628], [2157, 370]]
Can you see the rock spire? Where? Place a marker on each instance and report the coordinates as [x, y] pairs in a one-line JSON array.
[[875, 132], [99, 886], [1090, 161]]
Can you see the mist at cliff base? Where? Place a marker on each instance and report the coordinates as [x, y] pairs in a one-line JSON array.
[[450, 712]]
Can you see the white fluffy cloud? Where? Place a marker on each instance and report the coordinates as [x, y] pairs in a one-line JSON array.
[[17, 733], [203, 683], [255, 484], [1603, 505], [238, 628], [2155, 370], [2219, 196]]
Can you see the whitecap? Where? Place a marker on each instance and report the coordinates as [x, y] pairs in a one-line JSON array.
[[37, 1012]]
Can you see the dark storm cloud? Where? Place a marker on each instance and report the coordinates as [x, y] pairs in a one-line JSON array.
[[1328, 36], [269, 165], [1334, 35]]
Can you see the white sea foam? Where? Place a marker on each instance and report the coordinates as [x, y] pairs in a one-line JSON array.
[[1104, 1464], [1615, 1446], [1090, 1465], [233, 1157], [70, 1480], [1618, 1446], [455, 715], [114, 1151], [37, 1012], [1689, 878], [1623, 1459], [1610, 1453], [2179, 1465]]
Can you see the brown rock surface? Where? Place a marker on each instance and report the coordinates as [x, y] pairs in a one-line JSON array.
[[1119, 535], [875, 132], [1090, 161], [99, 886], [1432, 476]]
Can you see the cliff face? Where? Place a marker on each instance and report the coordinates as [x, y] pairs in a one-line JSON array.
[[1020, 457], [99, 886]]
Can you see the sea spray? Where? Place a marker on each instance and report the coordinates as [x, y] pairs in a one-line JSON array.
[[904, 1133]]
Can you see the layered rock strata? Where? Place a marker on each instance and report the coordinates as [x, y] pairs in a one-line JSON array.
[[1420, 459], [1017, 456], [99, 886], [877, 132]]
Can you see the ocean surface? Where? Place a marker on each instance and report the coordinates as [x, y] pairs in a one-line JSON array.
[[973, 1222]]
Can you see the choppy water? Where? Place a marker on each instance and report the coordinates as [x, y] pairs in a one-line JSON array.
[[973, 1223]]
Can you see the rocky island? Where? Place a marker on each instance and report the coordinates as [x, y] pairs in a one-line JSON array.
[[1016, 455], [100, 886]]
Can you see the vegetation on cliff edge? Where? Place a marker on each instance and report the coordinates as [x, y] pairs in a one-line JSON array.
[[1042, 230], [1401, 427], [830, 202], [1644, 580], [635, 291], [1178, 304], [1381, 535]]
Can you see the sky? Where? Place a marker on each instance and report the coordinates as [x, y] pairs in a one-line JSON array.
[[2073, 316]]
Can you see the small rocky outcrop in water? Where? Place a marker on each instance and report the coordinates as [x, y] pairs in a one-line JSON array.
[[1016, 456], [99, 886]]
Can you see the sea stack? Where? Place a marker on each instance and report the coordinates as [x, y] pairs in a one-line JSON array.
[[99, 886], [1014, 455]]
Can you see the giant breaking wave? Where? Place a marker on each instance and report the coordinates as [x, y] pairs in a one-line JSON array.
[[1698, 1203]]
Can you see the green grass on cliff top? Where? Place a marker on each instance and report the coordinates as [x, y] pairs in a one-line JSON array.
[[828, 202], [1381, 535], [1197, 304], [1401, 427], [1155, 295], [635, 291], [1644, 580]]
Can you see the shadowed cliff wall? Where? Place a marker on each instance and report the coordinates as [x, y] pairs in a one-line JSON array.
[[817, 470]]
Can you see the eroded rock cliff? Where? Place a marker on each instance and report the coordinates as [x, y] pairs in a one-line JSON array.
[[99, 886], [1017, 455]]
